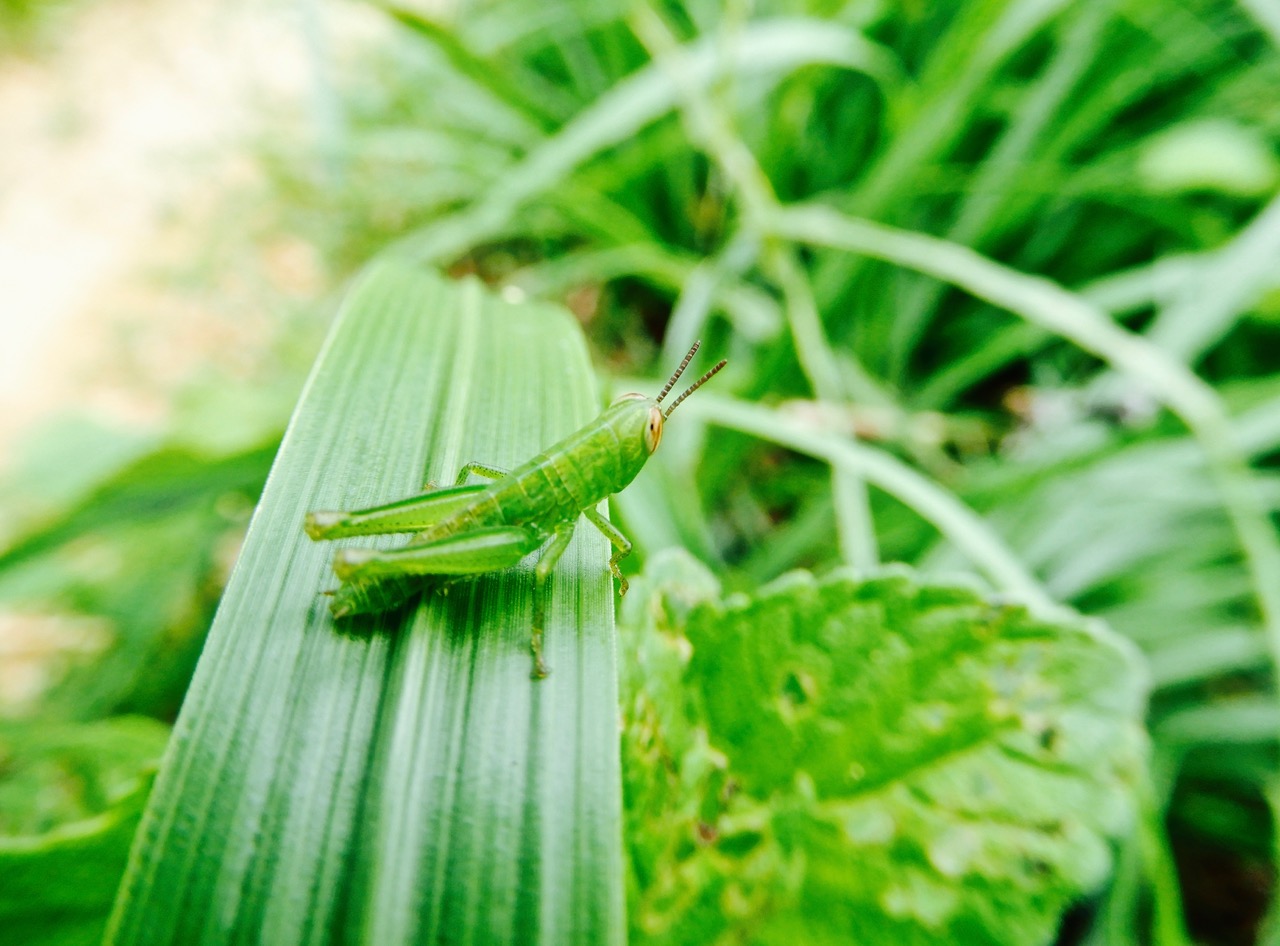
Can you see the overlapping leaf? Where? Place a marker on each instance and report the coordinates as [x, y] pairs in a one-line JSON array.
[[877, 761]]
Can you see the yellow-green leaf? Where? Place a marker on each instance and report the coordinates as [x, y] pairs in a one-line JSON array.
[[877, 760]]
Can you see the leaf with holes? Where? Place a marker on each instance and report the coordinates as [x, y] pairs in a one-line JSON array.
[[884, 760]]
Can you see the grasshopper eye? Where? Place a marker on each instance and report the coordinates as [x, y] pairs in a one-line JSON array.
[[653, 430]]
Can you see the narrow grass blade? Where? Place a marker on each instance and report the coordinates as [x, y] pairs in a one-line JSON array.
[[1231, 283], [951, 517], [526, 99], [401, 780]]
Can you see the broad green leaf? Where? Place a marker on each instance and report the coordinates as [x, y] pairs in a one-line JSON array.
[[871, 761], [70, 799], [399, 779]]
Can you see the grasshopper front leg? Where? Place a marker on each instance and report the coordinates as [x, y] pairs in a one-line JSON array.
[[621, 544]]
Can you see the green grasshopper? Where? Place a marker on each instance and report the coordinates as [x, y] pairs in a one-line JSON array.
[[470, 529]]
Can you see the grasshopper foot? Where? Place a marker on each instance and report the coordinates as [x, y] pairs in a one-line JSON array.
[[444, 585], [617, 573], [349, 561], [319, 524], [540, 668]]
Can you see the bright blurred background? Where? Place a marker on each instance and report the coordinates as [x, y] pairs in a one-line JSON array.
[[185, 188]]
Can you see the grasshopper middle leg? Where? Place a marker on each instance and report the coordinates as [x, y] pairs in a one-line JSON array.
[[560, 542], [479, 469], [473, 466], [467, 553]]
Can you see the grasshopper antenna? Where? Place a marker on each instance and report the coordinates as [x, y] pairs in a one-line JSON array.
[[679, 371], [693, 387]]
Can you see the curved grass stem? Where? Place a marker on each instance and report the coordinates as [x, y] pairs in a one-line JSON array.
[[951, 517]]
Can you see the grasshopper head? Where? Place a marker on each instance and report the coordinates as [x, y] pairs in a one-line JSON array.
[[645, 416]]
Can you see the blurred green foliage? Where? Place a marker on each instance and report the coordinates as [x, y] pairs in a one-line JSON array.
[[1126, 149], [29, 26], [70, 799]]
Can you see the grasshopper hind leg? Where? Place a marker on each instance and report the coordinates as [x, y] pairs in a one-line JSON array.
[[466, 553], [366, 573], [372, 596]]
